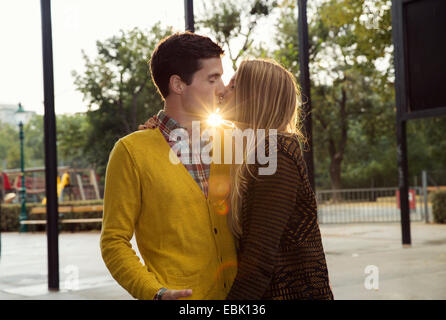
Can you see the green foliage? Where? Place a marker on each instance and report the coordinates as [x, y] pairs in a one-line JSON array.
[[72, 137], [286, 38], [351, 99], [426, 145], [233, 22], [368, 165], [351, 67], [9, 214], [118, 90], [33, 144], [6, 134], [439, 206], [72, 134]]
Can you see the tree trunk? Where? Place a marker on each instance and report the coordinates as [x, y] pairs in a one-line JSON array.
[[335, 177], [336, 151]]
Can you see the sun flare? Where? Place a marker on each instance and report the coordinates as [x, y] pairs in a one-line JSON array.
[[216, 120]]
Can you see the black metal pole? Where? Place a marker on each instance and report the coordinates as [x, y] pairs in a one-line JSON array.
[[189, 15], [50, 149], [403, 181], [306, 87], [401, 108]]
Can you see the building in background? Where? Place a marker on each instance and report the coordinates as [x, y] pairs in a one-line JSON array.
[[7, 114]]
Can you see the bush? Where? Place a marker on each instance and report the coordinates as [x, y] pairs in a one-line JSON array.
[[10, 213], [438, 199]]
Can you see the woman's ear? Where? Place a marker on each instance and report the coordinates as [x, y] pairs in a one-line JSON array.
[[176, 85]]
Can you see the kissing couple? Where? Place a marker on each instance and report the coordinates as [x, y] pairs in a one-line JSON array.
[[214, 230]]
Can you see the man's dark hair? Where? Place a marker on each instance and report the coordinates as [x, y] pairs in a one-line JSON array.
[[179, 54]]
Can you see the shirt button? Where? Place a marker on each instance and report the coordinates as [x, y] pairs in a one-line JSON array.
[[215, 230]]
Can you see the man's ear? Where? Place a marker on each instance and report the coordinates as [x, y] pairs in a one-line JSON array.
[[176, 85]]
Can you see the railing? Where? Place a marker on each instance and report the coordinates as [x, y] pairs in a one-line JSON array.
[[367, 205]]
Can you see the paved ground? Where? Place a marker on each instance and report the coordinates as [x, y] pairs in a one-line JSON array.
[[415, 272], [365, 261]]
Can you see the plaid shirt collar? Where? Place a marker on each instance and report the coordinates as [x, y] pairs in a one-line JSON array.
[[167, 124]]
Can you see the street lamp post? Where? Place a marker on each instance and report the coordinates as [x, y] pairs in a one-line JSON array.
[[20, 118]]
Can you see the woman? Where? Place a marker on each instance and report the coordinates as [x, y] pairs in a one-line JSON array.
[[274, 217]]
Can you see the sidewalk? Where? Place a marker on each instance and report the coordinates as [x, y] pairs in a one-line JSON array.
[[417, 272]]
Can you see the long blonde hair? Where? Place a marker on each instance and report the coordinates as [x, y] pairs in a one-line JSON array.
[[266, 97]]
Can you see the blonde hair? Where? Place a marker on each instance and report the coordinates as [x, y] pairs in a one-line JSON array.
[[266, 97]]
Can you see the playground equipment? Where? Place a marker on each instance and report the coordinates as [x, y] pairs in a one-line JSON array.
[[72, 184], [60, 186]]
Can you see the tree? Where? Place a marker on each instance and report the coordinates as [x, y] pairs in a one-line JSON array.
[[9, 139], [72, 138], [232, 24], [427, 149], [33, 144], [348, 39], [72, 133], [118, 90]]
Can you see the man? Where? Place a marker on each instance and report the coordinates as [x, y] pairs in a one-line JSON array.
[[187, 248]]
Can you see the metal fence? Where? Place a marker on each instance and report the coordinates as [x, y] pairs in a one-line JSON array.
[[368, 205]]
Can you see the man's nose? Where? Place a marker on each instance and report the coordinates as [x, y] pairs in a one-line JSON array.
[[220, 89], [225, 91]]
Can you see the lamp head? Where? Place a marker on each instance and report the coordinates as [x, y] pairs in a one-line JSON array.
[[20, 115]]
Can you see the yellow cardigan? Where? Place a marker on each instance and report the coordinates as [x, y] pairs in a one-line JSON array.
[[182, 237]]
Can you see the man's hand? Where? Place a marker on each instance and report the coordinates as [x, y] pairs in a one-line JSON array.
[[171, 294]]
